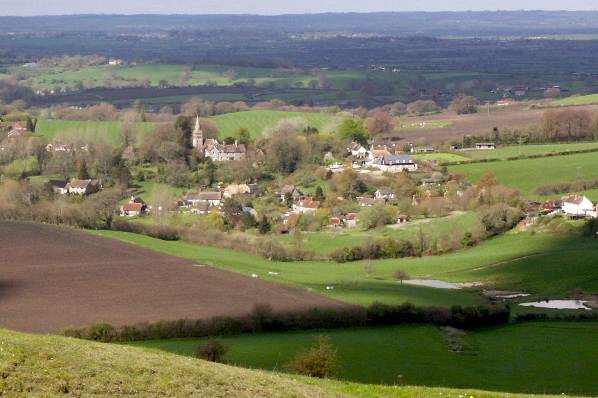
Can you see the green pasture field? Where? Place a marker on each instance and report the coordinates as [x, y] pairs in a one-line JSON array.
[[514, 358], [546, 266], [106, 132], [590, 99], [528, 174], [323, 243], [504, 152], [257, 121]]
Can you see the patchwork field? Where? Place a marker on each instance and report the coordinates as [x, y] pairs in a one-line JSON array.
[[515, 358], [257, 121], [528, 174], [88, 279], [454, 127], [531, 263]]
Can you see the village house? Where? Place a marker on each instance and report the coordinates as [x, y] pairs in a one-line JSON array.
[[16, 133], [306, 206], [551, 207], [357, 150], [135, 207], [578, 206], [215, 150], [485, 145], [336, 222], [213, 199], [83, 187], [290, 191], [351, 220], [394, 163], [384, 194], [369, 202]]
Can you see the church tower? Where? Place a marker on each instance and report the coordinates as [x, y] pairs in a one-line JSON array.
[[197, 136]]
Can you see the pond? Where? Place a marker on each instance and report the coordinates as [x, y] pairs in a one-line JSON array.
[[432, 283], [559, 304]]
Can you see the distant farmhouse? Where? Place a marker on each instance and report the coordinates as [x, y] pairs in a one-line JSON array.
[[75, 186], [485, 145], [215, 150]]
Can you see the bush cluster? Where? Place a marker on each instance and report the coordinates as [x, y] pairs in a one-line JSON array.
[[264, 319], [163, 232], [378, 248], [565, 187]]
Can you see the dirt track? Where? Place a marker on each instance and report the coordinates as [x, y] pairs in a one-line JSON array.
[[52, 278]]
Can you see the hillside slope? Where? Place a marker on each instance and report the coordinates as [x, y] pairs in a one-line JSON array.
[[47, 366]]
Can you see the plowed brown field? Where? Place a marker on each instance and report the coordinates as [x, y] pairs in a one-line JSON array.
[[52, 278]]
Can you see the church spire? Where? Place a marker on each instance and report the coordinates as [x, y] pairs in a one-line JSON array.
[[197, 136]]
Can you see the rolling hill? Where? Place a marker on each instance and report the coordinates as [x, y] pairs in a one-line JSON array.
[[50, 366]]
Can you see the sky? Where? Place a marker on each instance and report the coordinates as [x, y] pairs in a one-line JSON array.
[[270, 7]]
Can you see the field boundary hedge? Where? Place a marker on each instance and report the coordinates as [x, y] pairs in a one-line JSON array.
[[264, 319], [521, 157]]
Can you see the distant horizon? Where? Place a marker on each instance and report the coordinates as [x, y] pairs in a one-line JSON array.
[[20, 8], [82, 14]]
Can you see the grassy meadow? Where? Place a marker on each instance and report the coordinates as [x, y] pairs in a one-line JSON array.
[[325, 242], [256, 121], [528, 174], [533, 263], [53, 366], [515, 358], [590, 99]]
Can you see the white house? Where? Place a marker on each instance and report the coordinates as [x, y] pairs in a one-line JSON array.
[[357, 150], [306, 206], [578, 206], [385, 194]]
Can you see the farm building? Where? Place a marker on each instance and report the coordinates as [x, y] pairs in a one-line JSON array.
[[394, 163], [485, 145]]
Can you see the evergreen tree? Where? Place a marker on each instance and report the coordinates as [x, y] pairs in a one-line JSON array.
[[264, 225], [83, 172], [319, 195]]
